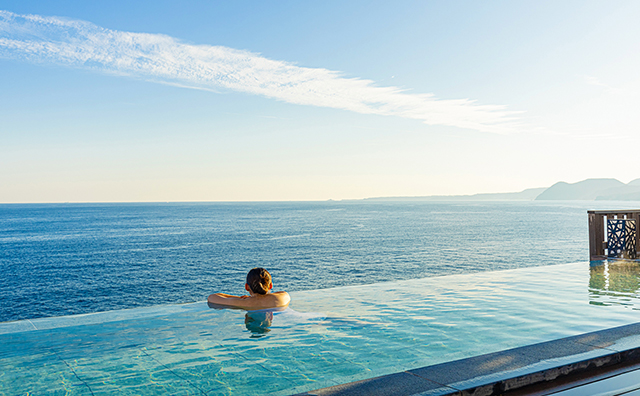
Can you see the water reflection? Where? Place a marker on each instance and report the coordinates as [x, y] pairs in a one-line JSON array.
[[257, 322], [615, 282]]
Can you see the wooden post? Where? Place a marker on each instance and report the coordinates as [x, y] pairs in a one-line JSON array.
[[636, 217], [596, 236]]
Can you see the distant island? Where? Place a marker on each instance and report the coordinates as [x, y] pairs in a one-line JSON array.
[[586, 190]]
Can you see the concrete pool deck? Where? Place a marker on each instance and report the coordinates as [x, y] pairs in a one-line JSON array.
[[560, 366]]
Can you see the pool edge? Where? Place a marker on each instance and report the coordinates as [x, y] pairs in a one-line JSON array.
[[533, 369]]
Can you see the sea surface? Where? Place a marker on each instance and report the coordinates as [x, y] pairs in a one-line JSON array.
[[62, 259]]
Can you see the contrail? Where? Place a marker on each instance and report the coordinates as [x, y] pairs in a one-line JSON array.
[[160, 58]]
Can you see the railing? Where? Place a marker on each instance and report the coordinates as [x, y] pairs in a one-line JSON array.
[[613, 238]]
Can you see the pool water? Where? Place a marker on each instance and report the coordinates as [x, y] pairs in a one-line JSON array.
[[326, 337]]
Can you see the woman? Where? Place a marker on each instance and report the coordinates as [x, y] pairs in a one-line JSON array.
[[260, 297]]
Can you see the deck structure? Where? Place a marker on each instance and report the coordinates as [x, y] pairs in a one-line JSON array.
[[599, 243]]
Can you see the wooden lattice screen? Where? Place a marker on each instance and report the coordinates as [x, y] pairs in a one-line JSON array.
[[619, 231]]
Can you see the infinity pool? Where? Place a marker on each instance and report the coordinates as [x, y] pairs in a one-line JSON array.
[[326, 337]]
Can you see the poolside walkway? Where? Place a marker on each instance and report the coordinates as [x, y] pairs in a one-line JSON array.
[[605, 362]]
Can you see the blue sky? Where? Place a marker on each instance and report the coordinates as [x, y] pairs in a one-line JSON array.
[[213, 101]]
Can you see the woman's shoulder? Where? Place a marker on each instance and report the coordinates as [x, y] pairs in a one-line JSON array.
[[282, 296]]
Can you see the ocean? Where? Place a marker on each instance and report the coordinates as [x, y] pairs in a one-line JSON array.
[[62, 259]]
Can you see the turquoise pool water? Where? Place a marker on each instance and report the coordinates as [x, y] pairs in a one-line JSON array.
[[326, 337]]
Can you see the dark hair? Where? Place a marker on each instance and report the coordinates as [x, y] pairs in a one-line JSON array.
[[258, 280]]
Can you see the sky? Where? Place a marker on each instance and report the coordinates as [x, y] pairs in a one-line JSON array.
[[147, 101]]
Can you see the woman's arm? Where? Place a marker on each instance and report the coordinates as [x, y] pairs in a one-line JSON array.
[[225, 299], [271, 300]]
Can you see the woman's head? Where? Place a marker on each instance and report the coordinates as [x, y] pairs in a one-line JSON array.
[[259, 281]]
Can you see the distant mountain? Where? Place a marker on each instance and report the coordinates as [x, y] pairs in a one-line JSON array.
[[586, 190], [630, 192], [527, 195]]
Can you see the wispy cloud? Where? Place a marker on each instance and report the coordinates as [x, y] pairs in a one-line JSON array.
[[591, 80], [164, 59]]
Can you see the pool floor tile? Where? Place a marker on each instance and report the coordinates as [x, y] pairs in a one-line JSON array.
[[47, 385]]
